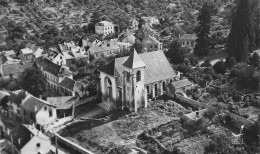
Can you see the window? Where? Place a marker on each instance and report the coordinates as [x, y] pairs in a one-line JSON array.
[[148, 89], [138, 76], [38, 145], [24, 112], [45, 108], [128, 76], [50, 112], [18, 111]]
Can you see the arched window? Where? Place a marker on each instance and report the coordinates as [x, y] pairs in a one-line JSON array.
[[138, 76]]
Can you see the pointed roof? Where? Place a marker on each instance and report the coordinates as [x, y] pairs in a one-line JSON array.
[[134, 61]]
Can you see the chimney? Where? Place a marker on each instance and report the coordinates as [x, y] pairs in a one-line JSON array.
[[19, 141], [40, 96], [181, 76]]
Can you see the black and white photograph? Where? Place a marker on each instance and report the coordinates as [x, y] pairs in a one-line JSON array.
[[129, 76]]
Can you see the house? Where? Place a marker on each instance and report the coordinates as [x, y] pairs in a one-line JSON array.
[[56, 57], [127, 81], [71, 51], [63, 104], [37, 50], [25, 139], [13, 69], [105, 28], [150, 21], [54, 73], [30, 109], [126, 37], [152, 44], [188, 40], [10, 53], [15, 100], [26, 55], [106, 49], [71, 87], [180, 86]]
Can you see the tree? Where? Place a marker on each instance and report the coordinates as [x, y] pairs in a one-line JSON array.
[[241, 39], [230, 62], [206, 63], [203, 30], [96, 17], [255, 60], [176, 53], [219, 67], [34, 82]]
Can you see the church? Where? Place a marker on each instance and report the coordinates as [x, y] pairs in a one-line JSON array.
[[127, 82]]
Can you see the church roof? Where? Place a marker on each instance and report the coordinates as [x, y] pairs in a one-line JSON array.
[[134, 61], [157, 67]]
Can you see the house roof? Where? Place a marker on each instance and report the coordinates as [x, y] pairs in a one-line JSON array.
[[9, 52], [27, 135], [26, 51], [3, 59], [3, 94], [52, 68], [130, 38], [134, 61], [105, 23], [17, 97], [157, 67], [104, 47], [181, 83], [188, 37], [34, 104], [71, 84], [63, 102], [20, 133], [16, 68]]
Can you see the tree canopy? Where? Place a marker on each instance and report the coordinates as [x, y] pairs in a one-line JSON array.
[[34, 82]]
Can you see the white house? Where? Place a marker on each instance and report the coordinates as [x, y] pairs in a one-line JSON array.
[[188, 40], [104, 27], [127, 81], [25, 139]]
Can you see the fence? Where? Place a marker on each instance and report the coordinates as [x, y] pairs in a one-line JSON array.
[[185, 101], [72, 145]]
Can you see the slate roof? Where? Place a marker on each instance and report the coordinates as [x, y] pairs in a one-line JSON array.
[[16, 68], [63, 102], [181, 83], [134, 61], [52, 68], [188, 37], [157, 67], [71, 84], [22, 133], [30, 103]]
